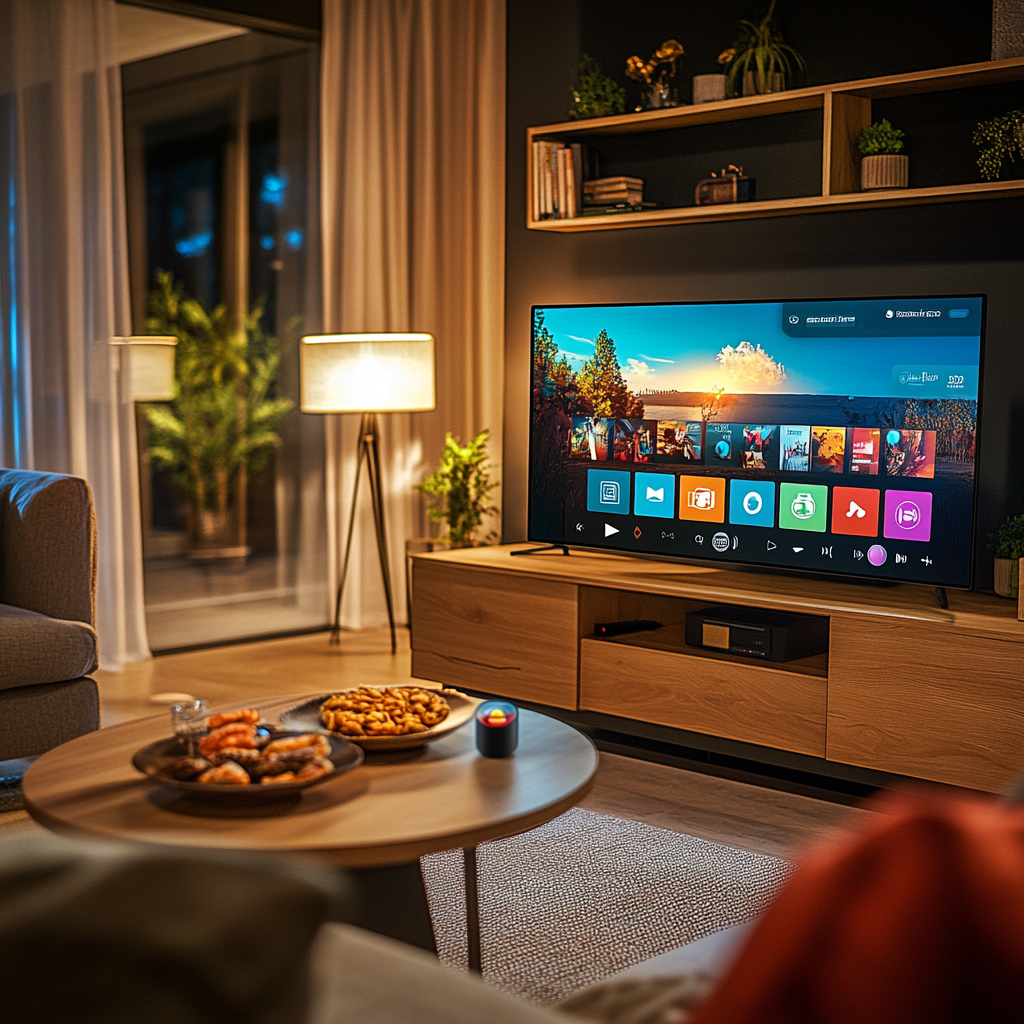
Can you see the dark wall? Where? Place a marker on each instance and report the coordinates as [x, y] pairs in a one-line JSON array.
[[949, 247]]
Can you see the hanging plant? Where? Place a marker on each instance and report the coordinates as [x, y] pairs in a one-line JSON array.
[[1000, 139]]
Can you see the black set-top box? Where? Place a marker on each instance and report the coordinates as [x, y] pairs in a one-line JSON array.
[[757, 633]]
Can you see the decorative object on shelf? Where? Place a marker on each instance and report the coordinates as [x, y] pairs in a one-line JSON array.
[[1000, 139], [656, 73], [222, 422], [708, 88], [459, 489], [730, 185], [883, 165], [1006, 543], [613, 191], [759, 61], [367, 373], [595, 94]]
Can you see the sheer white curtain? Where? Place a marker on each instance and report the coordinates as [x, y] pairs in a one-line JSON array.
[[64, 403], [413, 156]]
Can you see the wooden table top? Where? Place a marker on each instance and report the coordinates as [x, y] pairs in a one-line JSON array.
[[392, 809]]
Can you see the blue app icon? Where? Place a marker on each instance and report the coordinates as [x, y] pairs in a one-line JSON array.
[[751, 503], [608, 491], [655, 495]]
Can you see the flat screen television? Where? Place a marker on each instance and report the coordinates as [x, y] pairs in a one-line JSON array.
[[827, 436]]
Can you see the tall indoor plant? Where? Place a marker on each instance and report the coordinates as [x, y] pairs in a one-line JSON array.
[[458, 490], [222, 423]]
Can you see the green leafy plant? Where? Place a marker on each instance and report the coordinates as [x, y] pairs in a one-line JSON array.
[[221, 423], [760, 50], [459, 488], [595, 94], [1000, 139], [880, 138], [1007, 540]]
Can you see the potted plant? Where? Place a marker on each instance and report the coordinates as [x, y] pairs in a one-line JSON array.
[[221, 424], [759, 61], [1000, 139], [459, 488], [1006, 543], [656, 72], [595, 94], [882, 166]]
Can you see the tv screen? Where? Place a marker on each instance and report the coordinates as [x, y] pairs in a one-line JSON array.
[[827, 436]]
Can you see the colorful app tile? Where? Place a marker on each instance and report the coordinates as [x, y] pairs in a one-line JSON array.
[[722, 444], [855, 511], [655, 495], [702, 498], [794, 449], [828, 449], [759, 447], [608, 491], [910, 453], [751, 503], [908, 515], [866, 447], [803, 507], [680, 441], [634, 440], [591, 438]]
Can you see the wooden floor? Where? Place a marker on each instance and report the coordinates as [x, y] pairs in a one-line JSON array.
[[735, 813]]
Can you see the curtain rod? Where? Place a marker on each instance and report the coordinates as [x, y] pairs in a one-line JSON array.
[[250, 21]]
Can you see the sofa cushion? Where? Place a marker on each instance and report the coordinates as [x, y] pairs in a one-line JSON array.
[[35, 719], [37, 649]]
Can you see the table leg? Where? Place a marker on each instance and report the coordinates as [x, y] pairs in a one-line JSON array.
[[472, 909], [393, 902]]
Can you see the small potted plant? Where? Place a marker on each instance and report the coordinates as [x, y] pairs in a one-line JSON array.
[[759, 61], [1000, 139], [459, 489], [883, 165], [595, 94], [1006, 542], [656, 73]]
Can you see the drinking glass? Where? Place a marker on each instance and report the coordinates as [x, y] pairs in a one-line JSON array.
[[189, 721]]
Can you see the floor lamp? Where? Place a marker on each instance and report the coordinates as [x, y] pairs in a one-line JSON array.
[[368, 374]]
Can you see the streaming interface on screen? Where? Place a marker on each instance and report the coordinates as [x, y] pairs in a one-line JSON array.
[[837, 436]]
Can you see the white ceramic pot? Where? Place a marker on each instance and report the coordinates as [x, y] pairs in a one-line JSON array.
[[708, 88], [888, 170], [1006, 576]]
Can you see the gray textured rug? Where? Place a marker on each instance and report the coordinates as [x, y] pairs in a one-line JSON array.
[[587, 895]]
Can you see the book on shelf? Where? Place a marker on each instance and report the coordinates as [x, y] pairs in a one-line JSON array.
[[610, 191], [558, 179], [598, 211]]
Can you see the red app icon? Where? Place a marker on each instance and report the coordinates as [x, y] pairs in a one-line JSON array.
[[855, 511]]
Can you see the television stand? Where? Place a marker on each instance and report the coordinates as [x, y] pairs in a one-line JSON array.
[[940, 596], [905, 687], [564, 548]]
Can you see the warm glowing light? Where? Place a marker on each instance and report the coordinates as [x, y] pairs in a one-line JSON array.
[[148, 361]]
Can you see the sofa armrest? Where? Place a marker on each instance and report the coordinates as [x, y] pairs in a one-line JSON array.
[[48, 544]]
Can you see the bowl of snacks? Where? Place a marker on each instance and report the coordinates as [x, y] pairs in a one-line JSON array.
[[244, 760], [384, 718]]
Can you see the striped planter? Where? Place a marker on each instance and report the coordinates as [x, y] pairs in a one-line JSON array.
[[890, 170]]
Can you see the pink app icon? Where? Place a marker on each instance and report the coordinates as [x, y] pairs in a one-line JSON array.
[[908, 515]]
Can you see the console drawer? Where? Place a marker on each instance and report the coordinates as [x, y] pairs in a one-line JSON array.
[[752, 703]]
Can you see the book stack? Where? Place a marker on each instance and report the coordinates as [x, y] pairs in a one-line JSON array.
[[613, 191], [558, 173]]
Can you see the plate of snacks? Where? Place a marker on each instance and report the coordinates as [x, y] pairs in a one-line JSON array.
[[243, 759], [384, 717]]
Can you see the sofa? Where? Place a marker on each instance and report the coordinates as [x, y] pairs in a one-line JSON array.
[[48, 642]]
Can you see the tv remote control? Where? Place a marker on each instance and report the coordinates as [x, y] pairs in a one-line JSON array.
[[631, 626]]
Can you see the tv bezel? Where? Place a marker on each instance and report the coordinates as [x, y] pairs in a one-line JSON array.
[[742, 564]]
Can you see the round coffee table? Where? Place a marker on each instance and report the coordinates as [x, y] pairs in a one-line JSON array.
[[377, 819]]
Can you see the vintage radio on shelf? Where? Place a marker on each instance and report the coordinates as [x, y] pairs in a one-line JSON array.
[[730, 185]]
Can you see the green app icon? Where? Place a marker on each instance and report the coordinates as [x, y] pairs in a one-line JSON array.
[[803, 507]]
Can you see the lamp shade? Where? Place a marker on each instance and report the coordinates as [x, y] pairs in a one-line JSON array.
[[150, 366], [367, 372]]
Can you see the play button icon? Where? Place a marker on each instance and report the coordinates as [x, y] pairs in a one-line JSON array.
[[609, 530]]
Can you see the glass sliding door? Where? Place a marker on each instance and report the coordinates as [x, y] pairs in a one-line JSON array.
[[221, 165]]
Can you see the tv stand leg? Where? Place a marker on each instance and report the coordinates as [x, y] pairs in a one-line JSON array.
[[940, 596], [564, 548]]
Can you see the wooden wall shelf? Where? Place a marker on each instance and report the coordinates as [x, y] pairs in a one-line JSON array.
[[906, 687], [846, 111]]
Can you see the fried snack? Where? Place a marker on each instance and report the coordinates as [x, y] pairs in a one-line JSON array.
[[320, 744], [272, 780], [235, 734], [227, 774], [393, 711], [184, 768], [245, 756], [250, 715], [314, 769]]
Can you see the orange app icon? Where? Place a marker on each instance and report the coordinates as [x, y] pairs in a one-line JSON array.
[[855, 511], [702, 498]]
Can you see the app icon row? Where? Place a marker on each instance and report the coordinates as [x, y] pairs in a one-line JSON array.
[[905, 515]]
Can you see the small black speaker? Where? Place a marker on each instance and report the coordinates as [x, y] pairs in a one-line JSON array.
[[497, 728]]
